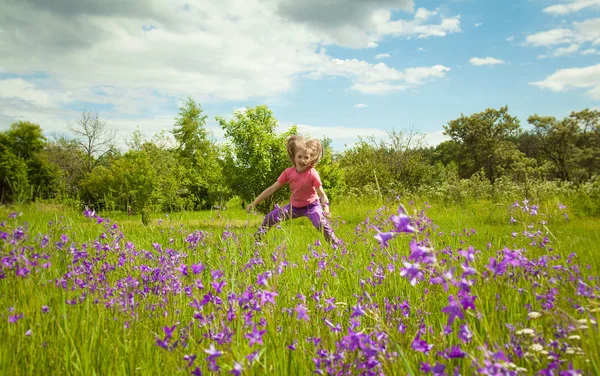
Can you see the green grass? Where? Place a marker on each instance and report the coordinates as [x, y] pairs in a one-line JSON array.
[[95, 337]]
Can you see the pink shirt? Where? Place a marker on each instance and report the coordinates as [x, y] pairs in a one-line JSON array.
[[303, 185]]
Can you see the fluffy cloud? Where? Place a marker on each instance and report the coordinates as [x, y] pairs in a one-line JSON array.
[[136, 54], [478, 61], [360, 105], [571, 7], [565, 79], [382, 56], [581, 33]]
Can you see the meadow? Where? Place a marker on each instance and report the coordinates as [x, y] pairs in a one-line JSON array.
[[476, 288]]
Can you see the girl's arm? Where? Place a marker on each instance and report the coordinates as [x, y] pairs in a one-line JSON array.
[[324, 201], [266, 193]]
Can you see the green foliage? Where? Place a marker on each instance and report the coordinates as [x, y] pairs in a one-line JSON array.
[[332, 176], [256, 155], [485, 140], [387, 167], [199, 156]]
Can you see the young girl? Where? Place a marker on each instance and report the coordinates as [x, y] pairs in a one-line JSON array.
[[306, 188]]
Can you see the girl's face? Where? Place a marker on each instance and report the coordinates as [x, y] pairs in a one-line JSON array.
[[301, 160]]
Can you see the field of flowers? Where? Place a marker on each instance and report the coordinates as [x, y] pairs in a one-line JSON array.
[[414, 289]]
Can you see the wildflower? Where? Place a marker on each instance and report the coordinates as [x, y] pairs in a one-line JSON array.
[[412, 272], [527, 332], [255, 336], [212, 352], [402, 221], [455, 352], [575, 337], [536, 347], [189, 359], [301, 312], [420, 345], [237, 368], [14, 318], [28, 333], [534, 315], [384, 237], [464, 333], [169, 331], [453, 310], [45, 309]]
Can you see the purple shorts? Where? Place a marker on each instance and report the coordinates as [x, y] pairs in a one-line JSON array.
[[313, 211]]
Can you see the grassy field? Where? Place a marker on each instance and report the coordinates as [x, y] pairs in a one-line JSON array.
[[478, 288]]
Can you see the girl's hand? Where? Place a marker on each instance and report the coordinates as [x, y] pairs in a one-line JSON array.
[[249, 208], [326, 212]]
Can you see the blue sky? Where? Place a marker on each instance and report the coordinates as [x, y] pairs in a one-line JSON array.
[[338, 68]]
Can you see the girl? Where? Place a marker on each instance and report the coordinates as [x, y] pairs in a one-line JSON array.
[[306, 188]]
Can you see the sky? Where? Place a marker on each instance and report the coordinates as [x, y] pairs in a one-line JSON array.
[[338, 68]]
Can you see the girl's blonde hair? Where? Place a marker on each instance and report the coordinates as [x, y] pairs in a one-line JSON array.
[[313, 148]]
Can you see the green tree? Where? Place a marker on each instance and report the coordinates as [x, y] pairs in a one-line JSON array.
[[485, 139], [256, 155], [588, 142], [557, 140], [200, 155]]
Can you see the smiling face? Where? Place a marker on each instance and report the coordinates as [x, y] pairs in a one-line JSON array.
[[302, 160]]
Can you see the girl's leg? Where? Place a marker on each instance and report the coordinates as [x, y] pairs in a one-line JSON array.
[[278, 214], [314, 212]]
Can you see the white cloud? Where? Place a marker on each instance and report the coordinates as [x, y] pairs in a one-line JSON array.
[[477, 24], [590, 51], [339, 133], [510, 39], [382, 56], [378, 78], [421, 49], [565, 79], [477, 61], [571, 7], [18, 88], [360, 105], [565, 51], [587, 31]]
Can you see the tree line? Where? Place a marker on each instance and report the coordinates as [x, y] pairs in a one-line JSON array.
[[186, 169]]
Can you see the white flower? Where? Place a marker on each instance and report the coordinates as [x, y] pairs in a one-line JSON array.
[[536, 347], [569, 351], [521, 369], [583, 327], [534, 315], [527, 332], [575, 336]]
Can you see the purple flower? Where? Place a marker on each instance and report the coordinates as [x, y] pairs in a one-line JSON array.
[[384, 237], [302, 313], [464, 333], [453, 310], [467, 301], [212, 352], [197, 268], [162, 343], [189, 359], [420, 345], [357, 310], [169, 331], [455, 352], [197, 372], [14, 318], [255, 336], [412, 272], [183, 269], [293, 345], [420, 253], [28, 333], [438, 369], [237, 369], [402, 221]]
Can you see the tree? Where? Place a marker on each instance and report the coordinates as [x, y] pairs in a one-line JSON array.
[[94, 138], [588, 142], [557, 141], [200, 155], [256, 155], [485, 140], [26, 172]]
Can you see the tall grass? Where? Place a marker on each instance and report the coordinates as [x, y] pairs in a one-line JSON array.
[[113, 287]]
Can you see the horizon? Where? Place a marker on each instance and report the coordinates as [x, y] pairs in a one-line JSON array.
[[340, 69]]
